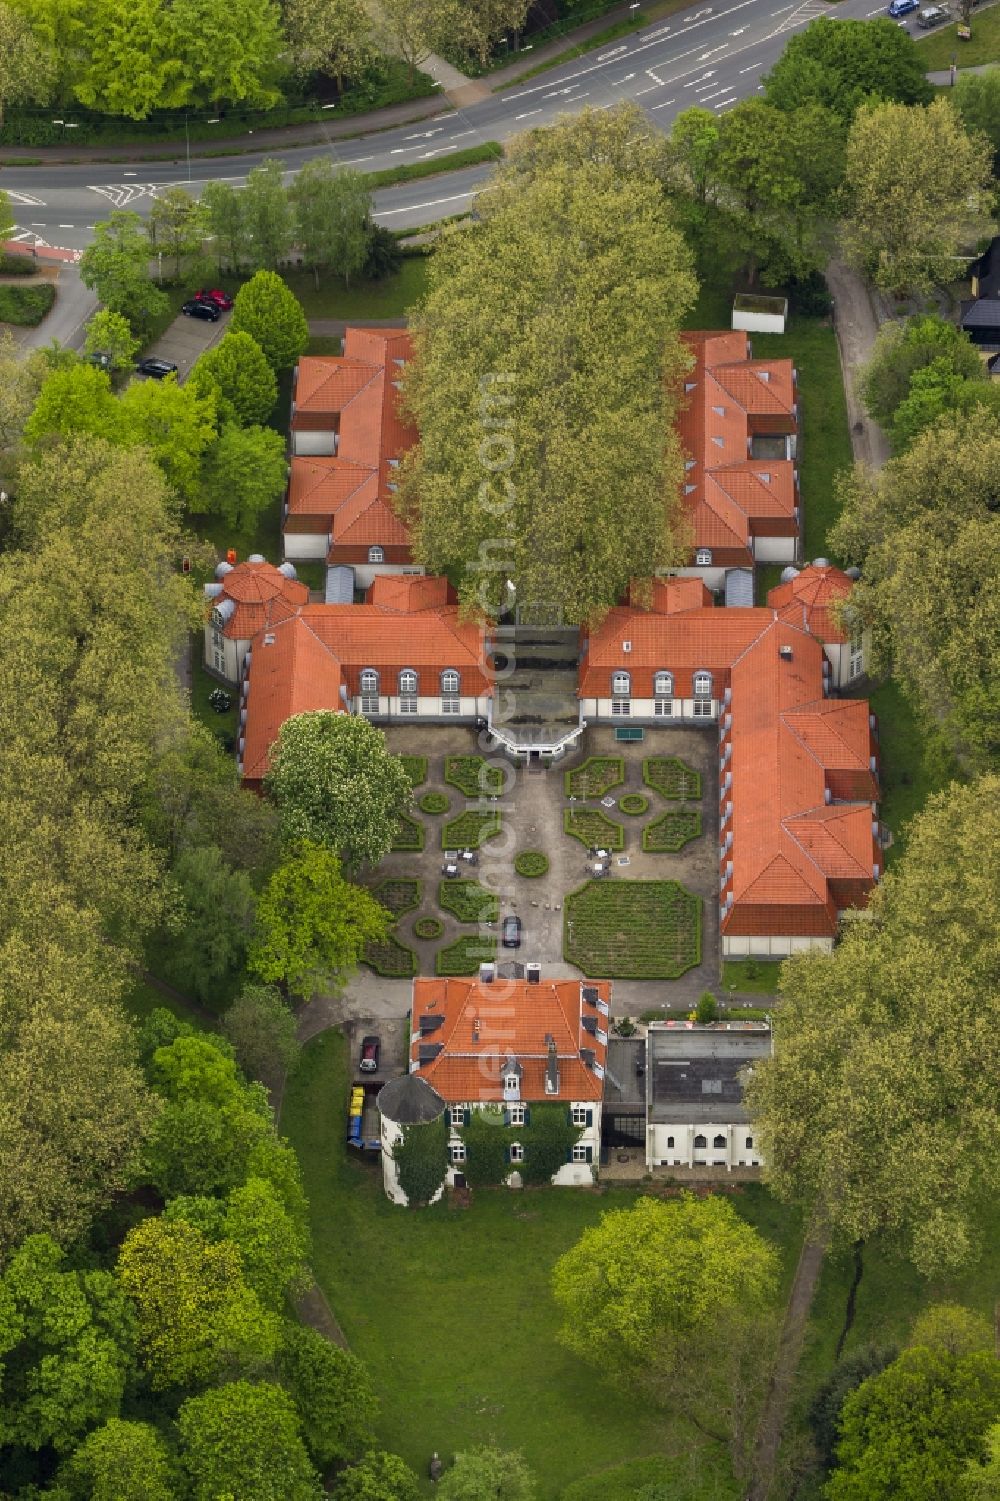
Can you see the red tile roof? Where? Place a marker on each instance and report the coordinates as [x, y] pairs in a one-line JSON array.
[[807, 600], [304, 662], [729, 497], [409, 593], [358, 396], [261, 594], [481, 1026]]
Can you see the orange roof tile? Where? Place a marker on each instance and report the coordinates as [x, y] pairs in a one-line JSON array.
[[409, 593], [261, 594], [808, 599], [477, 1027]]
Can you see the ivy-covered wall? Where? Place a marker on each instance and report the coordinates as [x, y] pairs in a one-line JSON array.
[[421, 1158], [548, 1137]]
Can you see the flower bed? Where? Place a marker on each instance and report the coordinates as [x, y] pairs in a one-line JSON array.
[[531, 863], [397, 895], [468, 901], [671, 777], [595, 776], [409, 834], [465, 955], [428, 927], [633, 803], [632, 930], [671, 831], [415, 768], [473, 777], [391, 959], [434, 802], [470, 830], [593, 828]]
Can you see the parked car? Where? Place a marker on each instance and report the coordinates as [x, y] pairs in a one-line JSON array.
[[932, 15], [511, 938], [903, 7], [368, 1062], [216, 295], [156, 369], [206, 311]]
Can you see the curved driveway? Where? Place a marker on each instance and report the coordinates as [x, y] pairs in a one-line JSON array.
[[711, 55]]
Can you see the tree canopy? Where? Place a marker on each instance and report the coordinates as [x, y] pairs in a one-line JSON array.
[[844, 64], [568, 498], [487, 1474], [237, 373], [266, 309], [336, 784], [244, 1439]]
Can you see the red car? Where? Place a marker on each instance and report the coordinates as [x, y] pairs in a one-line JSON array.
[[222, 300]]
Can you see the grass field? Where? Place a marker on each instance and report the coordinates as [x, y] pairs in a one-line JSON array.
[[389, 298], [451, 1309], [938, 50], [911, 769]]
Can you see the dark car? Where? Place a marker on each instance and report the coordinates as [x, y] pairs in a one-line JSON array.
[[206, 311], [368, 1062], [511, 937], [932, 15], [156, 369], [221, 299]]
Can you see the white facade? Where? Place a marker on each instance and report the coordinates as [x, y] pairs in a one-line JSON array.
[[772, 946], [306, 546], [318, 444], [223, 656], [429, 707], [848, 659], [579, 1173], [649, 710], [759, 319], [701, 1145]]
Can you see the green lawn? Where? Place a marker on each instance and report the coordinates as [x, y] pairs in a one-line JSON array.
[[911, 769], [389, 298], [938, 50], [202, 685], [450, 1307], [753, 976]]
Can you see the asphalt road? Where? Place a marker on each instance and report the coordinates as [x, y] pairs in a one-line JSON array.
[[712, 55]]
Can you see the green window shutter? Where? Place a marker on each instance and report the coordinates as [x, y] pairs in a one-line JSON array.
[[569, 1115], [569, 1154], [468, 1116], [590, 1154], [506, 1117], [590, 1117], [527, 1115]]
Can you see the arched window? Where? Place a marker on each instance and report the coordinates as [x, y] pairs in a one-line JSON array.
[[700, 1143], [749, 1143], [719, 1143], [369, 691], [376, 555], [450, 685], [663, 693], [407, 691], [621, 688], [703, 693], [703, 557]]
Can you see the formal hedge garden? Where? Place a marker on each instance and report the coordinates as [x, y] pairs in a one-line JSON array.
[[397, 894], [531, 864], [465, 955], [633, 803], [595, 777], [593, 828], [671, 831], [434, 802], [428, 927], [470, 830], [632, 930], [391, 959], [415, 768], [671, 777], [409, 834], [473, 776], [468, 901]]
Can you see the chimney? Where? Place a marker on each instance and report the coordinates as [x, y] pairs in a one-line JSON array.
[[551, 1066], [533, 973]]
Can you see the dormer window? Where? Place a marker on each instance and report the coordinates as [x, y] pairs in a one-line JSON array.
[[450, 688], [376, 555], [703, 557]]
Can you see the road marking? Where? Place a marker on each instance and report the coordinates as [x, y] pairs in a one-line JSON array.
[[558, 93], [602, 57], [738, 33], [26, 200], [67, 226], [128, 174], [654, 76], [37, 224], [463, 133], [664, 105], [122, 194], [423, 135], [753, 68], [651, 90], [723, 102], [709, 73], [712, 51], [627, 79], [412, 208], [527, 114]]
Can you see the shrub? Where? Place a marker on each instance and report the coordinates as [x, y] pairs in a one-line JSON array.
[[397, 894], [470, 830], [595, 777], [220, 700], [434, 802], [428, 927], [465, 955], [26, 306], [531, 863], [593, 828], [671, 777], [409, 834], [633, 803], [810, 296], [632, 930], [707, 1009], [415, 768], [671, 831], [468, 901], [474, 776], [17, 265], [421, 1159], [391, 959]]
